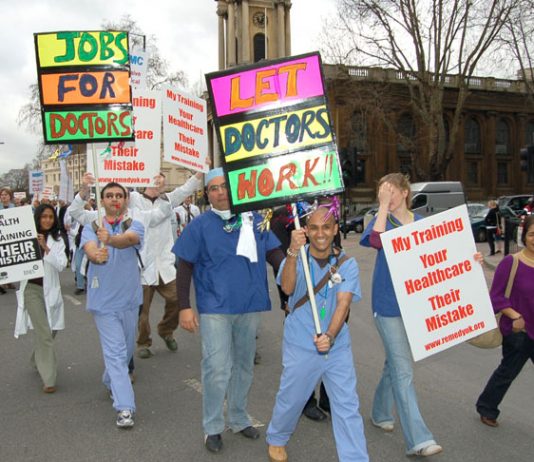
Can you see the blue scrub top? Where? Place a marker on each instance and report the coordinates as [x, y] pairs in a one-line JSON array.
[[384, 300], [299, 327], [225, 283], [115, 285]]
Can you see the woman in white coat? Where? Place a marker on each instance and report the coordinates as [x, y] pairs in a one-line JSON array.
[[41, 298]]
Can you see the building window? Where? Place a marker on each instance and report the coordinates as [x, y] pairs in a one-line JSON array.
[[405, 165], [472, 173], [529, 134], [406, 135], [502, 138], [358, 132], [472, 136], [259, 47], [502, 173]]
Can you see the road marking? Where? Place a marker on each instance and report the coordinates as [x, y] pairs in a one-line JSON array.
[[73, 300], [197, 386]]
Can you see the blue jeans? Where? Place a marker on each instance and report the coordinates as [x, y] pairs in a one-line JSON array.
[[396, 386], [228, 348], [517, 349]]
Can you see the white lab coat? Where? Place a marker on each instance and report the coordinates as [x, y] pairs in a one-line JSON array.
[[54, 262]]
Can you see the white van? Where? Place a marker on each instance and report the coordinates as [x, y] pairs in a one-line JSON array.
[[429, 198]]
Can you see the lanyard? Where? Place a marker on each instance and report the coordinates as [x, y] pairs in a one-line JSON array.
[[324, 295]]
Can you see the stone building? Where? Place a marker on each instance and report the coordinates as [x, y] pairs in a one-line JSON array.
[[497, 121]]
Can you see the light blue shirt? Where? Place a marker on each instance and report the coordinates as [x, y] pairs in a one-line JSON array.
[[115, 285], [299, 327]]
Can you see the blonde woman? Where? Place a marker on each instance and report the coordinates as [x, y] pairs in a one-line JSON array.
[[396, 387]]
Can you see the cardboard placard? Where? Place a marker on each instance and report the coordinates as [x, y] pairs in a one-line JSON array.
[[185, 129], [20, 257], [274, 129], [84, 85], [441, 290]]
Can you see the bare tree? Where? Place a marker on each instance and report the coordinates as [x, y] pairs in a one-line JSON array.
[[518, 40], [430, 44]]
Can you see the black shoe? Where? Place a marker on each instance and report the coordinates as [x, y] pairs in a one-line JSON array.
[[257, 358], [314, 413], [250, 432], [324, 406], [79, 291], [497, 251], [213, 443], [2, 290]]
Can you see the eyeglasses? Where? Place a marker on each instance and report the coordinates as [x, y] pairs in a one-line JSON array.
[[116, 196], [217, 187]]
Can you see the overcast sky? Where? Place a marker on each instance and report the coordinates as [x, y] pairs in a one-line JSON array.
[[186, 31]]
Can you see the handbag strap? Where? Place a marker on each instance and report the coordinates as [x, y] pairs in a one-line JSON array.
[[511, 277], [321, 283]]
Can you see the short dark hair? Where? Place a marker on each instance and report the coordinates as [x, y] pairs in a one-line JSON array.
[[113, 184], [528, 223]]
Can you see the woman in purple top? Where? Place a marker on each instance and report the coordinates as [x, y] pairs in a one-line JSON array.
[[516, 324]]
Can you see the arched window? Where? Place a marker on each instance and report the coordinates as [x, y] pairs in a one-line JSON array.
[[502, 138], [259, 47], [406, 135], [529, 133], [472, 136]]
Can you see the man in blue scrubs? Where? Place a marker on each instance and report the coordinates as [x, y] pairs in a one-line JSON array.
[[114, 294], [226, 256], [308, 357]]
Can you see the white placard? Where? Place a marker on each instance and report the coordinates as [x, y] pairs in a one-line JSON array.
[[441, 290], [36, 181], [138, 68], [133, 163], [19, 250], [47, 193], [185, 129]]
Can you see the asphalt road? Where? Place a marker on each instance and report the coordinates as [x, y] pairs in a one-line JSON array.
[[78, 422]]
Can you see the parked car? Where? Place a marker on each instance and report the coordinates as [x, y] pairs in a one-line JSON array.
[[478, 224], [516, 202], [475, 208], [355, 223]]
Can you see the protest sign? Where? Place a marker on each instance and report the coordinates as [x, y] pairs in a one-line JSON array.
[[275, 132], [138, 69], [84, 85], [20, 257], [19, 194], [441, 290], [133, 164], [47, 193], [66, 187], [185, 129], [36, 181]]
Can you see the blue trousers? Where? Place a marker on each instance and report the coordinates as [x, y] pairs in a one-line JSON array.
[[302, 370], [117, 338], [228, 348], [396, 387]]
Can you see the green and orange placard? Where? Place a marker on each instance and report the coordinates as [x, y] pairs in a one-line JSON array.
[[275, 132], [84, 84]]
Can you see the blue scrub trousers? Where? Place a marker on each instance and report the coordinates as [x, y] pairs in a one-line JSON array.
[[117, 338], [302, 370]]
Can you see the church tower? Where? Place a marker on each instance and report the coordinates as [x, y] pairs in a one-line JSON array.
[[251, 30]]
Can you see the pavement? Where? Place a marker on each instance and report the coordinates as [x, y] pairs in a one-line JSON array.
[[78, 422]]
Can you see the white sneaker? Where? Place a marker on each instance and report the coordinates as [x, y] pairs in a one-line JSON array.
[[386, 426], [429, 450], [125, 419]]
